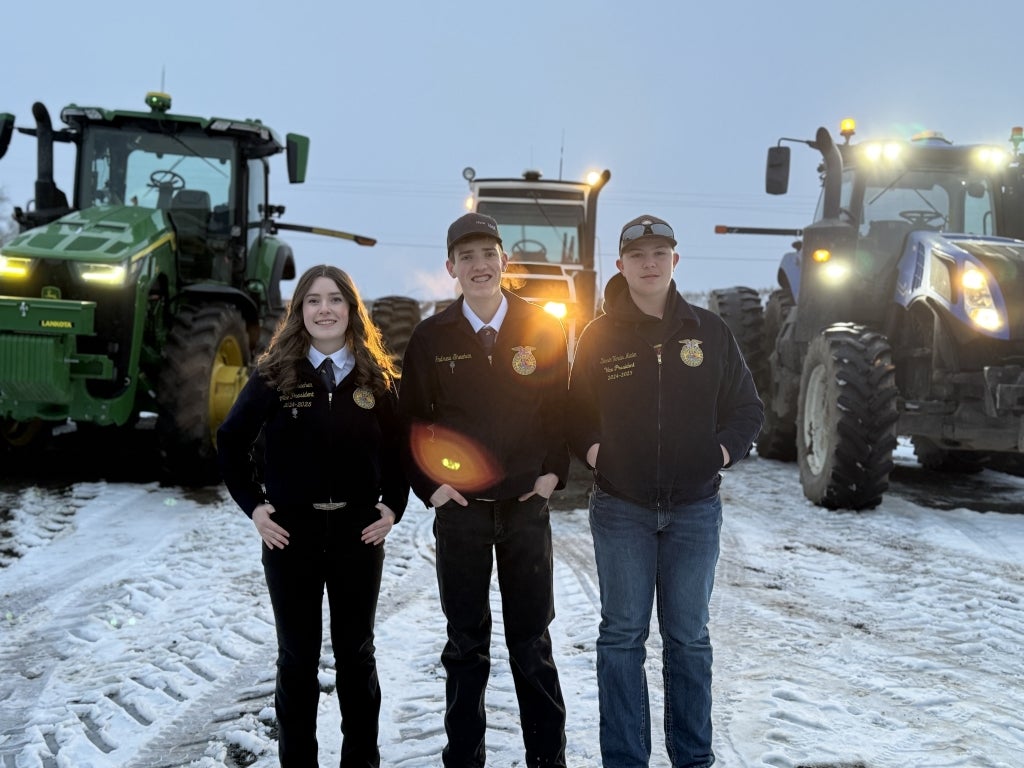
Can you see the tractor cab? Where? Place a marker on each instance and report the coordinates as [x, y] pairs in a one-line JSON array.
[[207, 178], [548, 229], [877, 198]]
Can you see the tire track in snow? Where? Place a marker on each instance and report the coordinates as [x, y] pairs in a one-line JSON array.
[[33, 516], [416, 711], [896, 606], [155, 664]]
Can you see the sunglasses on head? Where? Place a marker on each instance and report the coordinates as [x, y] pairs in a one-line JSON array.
[[639, 230]]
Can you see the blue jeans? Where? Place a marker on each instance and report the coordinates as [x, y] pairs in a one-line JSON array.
[[673, 552]]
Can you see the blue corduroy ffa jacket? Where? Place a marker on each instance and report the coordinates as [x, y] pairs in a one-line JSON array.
[[660, 396]]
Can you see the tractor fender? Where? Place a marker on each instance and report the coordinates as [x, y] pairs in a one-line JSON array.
[[789, 272], [932, 261], [283, 269], [207, 293], [269, 263]]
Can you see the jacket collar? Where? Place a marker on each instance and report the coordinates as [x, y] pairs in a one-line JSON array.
[[619, 305]]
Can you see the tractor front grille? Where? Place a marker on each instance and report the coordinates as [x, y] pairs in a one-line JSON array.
[[34, 368]]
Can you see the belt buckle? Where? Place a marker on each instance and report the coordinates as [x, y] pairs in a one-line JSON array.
[[329, 505]]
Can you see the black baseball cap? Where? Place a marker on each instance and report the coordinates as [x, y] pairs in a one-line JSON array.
[[646, 226], [472, 224]]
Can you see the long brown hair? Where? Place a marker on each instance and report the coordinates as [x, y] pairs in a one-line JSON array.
[[279, 364]]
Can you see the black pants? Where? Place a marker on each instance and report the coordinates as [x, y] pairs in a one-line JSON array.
[[324, 549], [519, 534]]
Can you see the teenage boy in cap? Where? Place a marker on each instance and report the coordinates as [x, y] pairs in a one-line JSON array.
[[660, 400], [483, 395]]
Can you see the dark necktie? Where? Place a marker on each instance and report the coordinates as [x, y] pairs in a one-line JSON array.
[[486, 336], [326, 371]]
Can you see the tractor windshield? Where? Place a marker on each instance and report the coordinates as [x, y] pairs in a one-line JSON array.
[[537, 230], [886, 204], [120, 166]]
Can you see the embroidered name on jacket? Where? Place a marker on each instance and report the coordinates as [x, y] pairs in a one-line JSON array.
[[301, 397], [619, 366]]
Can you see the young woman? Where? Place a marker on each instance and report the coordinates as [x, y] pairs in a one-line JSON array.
[[324, 396]]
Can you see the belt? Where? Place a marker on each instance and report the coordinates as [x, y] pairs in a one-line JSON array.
[[328, 505]]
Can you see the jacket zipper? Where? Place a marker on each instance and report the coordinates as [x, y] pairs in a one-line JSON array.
[[330, 402], [657, 475]]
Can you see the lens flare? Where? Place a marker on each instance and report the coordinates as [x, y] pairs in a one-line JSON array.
[[447, 456]]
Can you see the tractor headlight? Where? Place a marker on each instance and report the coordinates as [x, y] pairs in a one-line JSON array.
[[14, 267], [112, 275], [991, 156], [978, 301], [876, 151], [835, 273]]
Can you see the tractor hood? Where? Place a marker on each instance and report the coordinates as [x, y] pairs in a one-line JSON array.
[[965, 272], [104, 235], [1002, 257]]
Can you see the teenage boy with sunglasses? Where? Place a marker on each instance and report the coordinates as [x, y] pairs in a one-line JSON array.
[[660, 400]]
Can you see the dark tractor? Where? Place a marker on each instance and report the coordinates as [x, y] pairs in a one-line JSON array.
[[549, 230], [149, 290], [899, 312]]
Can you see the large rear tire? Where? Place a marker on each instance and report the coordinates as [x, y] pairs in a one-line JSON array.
[[846, 418], [741, 310], [396, 317], [778, 433], [268, 327], [442, 304], [777, 439], [206, 364]]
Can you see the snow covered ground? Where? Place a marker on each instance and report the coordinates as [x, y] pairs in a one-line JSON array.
[[135, 631]]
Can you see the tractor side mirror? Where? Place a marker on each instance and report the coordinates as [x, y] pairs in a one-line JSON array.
[[298, 157], [776, 176], [6, 131]]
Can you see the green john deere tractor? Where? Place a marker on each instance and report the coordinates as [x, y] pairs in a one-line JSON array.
[[153, 287]]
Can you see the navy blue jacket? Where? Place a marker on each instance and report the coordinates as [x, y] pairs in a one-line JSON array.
[[508, 415], [660, 396], [319, 448]]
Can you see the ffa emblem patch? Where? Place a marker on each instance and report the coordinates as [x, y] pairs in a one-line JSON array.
[[691, 353], [364, 398], [524, 363]]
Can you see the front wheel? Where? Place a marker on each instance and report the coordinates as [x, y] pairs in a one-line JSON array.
[[21, 442], [206, 364], [846, 418]]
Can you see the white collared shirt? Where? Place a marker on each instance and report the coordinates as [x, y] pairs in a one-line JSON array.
[[344, 361], [496, 321]]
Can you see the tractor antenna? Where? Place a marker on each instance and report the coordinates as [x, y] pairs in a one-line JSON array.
[[561, 155], [163, 71]]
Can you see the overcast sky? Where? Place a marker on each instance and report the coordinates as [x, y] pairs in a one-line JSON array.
[[679, 100]]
